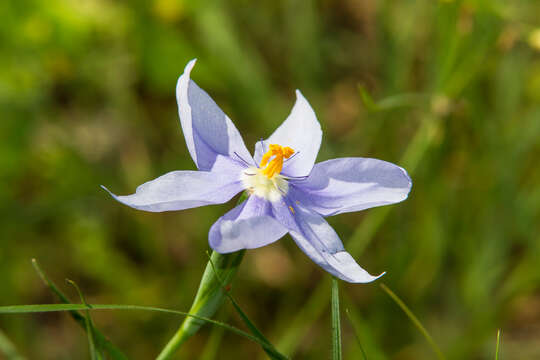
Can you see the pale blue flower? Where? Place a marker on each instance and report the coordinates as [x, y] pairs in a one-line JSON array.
[[289, 193]]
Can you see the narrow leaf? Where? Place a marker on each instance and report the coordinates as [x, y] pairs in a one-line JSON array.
[[356, 333], [498, 346], [414, 320], [367, 100], [391, 102], [336, 323], [402, 100], [99, 338], [28, 309], [90, 329]]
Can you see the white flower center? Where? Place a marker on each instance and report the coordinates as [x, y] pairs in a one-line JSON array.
[[257, 183]]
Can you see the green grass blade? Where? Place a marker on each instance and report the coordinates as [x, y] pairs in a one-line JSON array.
[[8, 349], [336, 323], [52, 286], [40, 308], [100, 339], [356, 331], [95, 353], [414, 320], [274, 354], [367, 100], [403, 100], [498, 346], [391, 102]]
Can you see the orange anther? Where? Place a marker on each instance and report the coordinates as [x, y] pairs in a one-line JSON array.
[[272, 160]]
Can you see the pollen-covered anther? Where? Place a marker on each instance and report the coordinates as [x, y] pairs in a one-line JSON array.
[[272, 160]]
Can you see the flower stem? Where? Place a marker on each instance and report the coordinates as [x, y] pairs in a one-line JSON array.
[[208, 299]]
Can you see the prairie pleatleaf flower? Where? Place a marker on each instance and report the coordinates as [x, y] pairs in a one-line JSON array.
[[288, 192]]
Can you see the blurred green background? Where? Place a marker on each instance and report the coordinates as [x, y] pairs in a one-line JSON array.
[[87, 98]]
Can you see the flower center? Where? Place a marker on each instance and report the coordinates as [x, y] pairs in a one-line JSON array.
[[266, 182], [272, 161]]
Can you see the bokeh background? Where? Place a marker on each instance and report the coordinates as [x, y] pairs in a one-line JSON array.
[[450, 90]]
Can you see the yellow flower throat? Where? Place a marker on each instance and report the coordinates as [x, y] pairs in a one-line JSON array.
[[272, 161]]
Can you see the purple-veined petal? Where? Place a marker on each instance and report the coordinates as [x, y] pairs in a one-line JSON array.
[[179, 190], [208, 131], [247, 226], [351, 184], [302, 132], [320, 242]]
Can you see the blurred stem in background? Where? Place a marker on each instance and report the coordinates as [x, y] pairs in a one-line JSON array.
[[8, 349], [209, 298]]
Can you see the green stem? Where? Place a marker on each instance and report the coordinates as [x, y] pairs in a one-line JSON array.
[[498, 346], [336, 323], [208, 300]]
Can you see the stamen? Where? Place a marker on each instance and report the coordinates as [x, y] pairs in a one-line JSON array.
[[242, 159], [283, 192], [272, 160], [296, 178], [296, 153]]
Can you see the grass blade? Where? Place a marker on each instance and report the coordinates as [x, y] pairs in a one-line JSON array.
[[415, 321], [100, 339], [356, 331], [498, 346], [391, 102], [367, 100], [95, 353], [274, 354], [336, 323], [40, 308]]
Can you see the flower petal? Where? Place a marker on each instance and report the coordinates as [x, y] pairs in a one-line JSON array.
[[351, 184], [180, 190], [321, 243], [208, 131], [300, 131], [247, 226]]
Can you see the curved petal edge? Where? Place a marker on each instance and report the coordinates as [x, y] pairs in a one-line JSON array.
[[179, 190], [209, 133], [249, 225]]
